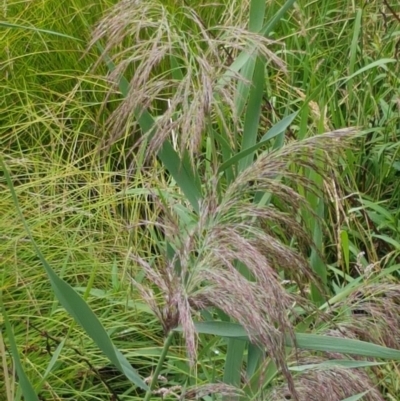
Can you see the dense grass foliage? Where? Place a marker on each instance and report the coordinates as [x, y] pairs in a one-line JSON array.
[[191, 191]]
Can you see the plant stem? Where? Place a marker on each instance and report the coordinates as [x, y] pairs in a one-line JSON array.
[[164, 353]]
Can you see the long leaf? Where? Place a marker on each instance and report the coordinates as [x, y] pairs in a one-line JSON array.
[[277, 17], [245, 55], [316, 262], [377, 63], [257, 14], [344, 363], [253, 112], [26, 386], [254, 355], [356, 397], [76, 306], [315, 342], [38, 30], [234, 361], [274, 131]]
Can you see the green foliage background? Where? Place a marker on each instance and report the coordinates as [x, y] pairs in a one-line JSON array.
[[85, 212]]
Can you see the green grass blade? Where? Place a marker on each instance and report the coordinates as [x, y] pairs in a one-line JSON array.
[[344, 240], [253, 113], [220, 328], [254, 356], [245, 56], [257, 13], [355, 41], [26, 386], [316, 262], [243, 88], [276, 130], [377, 63], [344, 363], [279, 127], [52, 363], [315, 342], [181, 171], [53, 359], [76, 306], [356, 397], [226, 150], [176, 70], [277, 17], [234, 361], [29, 28]]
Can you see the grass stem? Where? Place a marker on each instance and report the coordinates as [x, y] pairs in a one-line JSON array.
[[163, 355]]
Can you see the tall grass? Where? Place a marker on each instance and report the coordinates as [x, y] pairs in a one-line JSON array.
[[165, 170]]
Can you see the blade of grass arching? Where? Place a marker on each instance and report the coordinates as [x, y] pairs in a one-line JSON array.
[[344, 363], [261, 379], [253, 113], [25, 385], [314, 342], [54, 359], [30, 28], [356, 397], [278, 132], [75, 305], [275, 131], [344, 293], [279, 127], [245, 55], [276, 18], [52, 362], [317, 342], [346, 346], [234, 361], [378, 63], [186, 178]]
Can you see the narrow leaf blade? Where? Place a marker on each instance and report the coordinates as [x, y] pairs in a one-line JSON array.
[[26, 386], [315, 342]]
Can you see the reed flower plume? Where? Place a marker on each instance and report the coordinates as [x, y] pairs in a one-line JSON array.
[[174, 63], [372, 313], [329, 382], [229, 256]]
